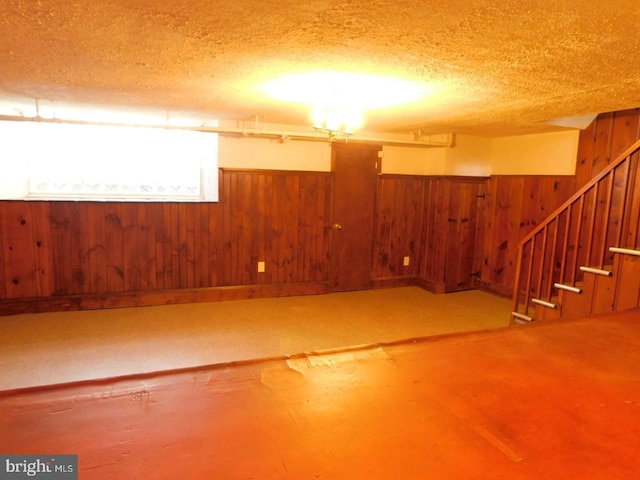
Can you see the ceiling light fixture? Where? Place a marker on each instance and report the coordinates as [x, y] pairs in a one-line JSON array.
[[338, 100], [336, 122]]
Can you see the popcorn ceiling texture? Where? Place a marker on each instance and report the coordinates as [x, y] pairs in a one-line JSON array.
[[498, 67]]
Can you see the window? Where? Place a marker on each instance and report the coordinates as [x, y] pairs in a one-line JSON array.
[[58, 161]]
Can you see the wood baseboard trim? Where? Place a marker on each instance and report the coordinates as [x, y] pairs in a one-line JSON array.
[[393, 282], [494, 288], [159, 297], [430, 285]]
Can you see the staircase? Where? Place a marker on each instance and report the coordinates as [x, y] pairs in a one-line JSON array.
[[584, 258]]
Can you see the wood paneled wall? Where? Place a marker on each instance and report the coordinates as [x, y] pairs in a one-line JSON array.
[[51, 249], [602, 141], [600, 144], [74, 248], [454, 209], [58, 249], [279, 218], [514, 205], [398, 224]]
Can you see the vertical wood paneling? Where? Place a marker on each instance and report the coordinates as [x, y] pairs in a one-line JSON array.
[[481, 220], [603, 140], [71, 247], [277, 217], [3, 267], [260, 211], [131, 258], [236, 230], [214, 212], [244, 228], [178, 267], [43, 250], [305, 217], [271, 232], [292, 215], [17, 243], [410, 203], [461, 240], [150, 234], [586, 145], [631, 231], [146, 250], [227, 240], [195, 243], [168, 252], [599, 144], [624, 131], [515, 205], [114, 247], [204, 247], [283, 218], [398, 225], [157, 237], [327, 213], [382, 232], [185, 239], [276, 225], [97, 251], [79, 227], [62, 254], [497, 239], [435, 231]]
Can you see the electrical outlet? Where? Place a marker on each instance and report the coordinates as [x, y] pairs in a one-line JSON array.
[[261, 267], [405, 261]]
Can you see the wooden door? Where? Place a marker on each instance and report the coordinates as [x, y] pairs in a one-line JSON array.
[[355, 168], [461, 219]]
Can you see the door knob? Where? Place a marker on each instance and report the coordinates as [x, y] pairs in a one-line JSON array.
[[336, 226]]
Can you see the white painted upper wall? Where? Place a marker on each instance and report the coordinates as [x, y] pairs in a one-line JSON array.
[[539, 154], [262, 153], [470, 156], [413, 160]]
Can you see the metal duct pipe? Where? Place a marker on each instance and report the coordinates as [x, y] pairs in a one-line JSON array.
[[251, 133]]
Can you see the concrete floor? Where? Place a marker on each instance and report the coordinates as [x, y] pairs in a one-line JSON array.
[[555, 400]]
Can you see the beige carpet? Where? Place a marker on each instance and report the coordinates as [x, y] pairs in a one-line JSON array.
[[42, 349]]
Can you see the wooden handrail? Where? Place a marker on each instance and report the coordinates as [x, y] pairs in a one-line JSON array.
[[594, 249], [619, 159]]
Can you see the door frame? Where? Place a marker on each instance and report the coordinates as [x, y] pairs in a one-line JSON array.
[[355, 169]]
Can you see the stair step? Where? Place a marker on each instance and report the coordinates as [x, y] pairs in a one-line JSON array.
[[625, 251], [521, 318], [543, 303], [597, 271], [568, 288]]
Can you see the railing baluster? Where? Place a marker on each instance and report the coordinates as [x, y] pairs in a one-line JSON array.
[[625, 194], [627, 234], [545, 234], [565, 245], [554, 246], [628, 186], [605, 220], [576, 257], [527, 295], [516, 290], [633, 240], [592, 224]]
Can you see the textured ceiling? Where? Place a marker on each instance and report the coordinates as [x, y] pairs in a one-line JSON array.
[[496, 67]]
